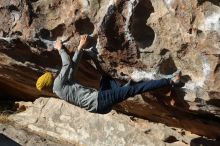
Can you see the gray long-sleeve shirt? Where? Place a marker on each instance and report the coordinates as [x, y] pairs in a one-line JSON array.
[[66, 87]]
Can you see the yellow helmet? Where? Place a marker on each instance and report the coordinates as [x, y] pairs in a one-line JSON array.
[[44, 81]]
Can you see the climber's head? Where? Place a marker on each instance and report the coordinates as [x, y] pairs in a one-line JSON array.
[[45, 81]]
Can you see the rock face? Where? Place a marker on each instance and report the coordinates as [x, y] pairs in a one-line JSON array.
[[146, 39], [58, 119], [16, 136]]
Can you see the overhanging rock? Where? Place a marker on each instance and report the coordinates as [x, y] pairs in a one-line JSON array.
[[141, 38]]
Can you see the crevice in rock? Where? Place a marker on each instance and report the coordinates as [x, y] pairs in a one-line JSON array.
[[200, 141], [58, 31], [12, 8], [53, 34], [33, 0], [114, 41], [163, 51], [84, 26], [76, 12], [17, 33], [217, 68], [37, 44], [147, 131], [167, 66], [196, 119], [214, 102], [143, 34], [45, 34], [110, 27], [171, 139], [32, 15], [215, 2], [182, 51]]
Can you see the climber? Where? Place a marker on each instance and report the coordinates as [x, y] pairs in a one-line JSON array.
[[110, 93]]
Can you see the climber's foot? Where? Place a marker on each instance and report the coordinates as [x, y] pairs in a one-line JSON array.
[[175, 79]]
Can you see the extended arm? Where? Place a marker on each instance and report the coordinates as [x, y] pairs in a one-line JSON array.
[[66, 66], [77, 56], [75, 63], [69, 68]]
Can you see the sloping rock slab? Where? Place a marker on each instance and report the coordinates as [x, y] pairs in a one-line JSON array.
[[59, 119], [16, 136]]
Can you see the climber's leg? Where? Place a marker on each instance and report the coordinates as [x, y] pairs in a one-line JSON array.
[[108, 98], [108, 83]]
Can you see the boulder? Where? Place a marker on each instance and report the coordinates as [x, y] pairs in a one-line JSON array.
[[146, 39], [50, 117], [15, 136]]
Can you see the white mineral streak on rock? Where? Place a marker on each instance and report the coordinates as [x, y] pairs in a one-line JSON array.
[[8, 39], [168, 2], [211, 22], [142, 75], [169, 5], [206, 67], [200, 82], [191, 85], [131, 6], [41, 130], [15, 17], [98, 45], [111, 2], [85, 3], [50, 44], [51, 69]]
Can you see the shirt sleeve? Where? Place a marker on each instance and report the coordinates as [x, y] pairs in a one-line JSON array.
[[68, 70], [66, 66], [75, 63]]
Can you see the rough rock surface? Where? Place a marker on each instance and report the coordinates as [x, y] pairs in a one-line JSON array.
[[25, 138], [59, 119], [141, 38]]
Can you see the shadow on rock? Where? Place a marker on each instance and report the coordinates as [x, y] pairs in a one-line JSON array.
[[5, 141], [204, 142]]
